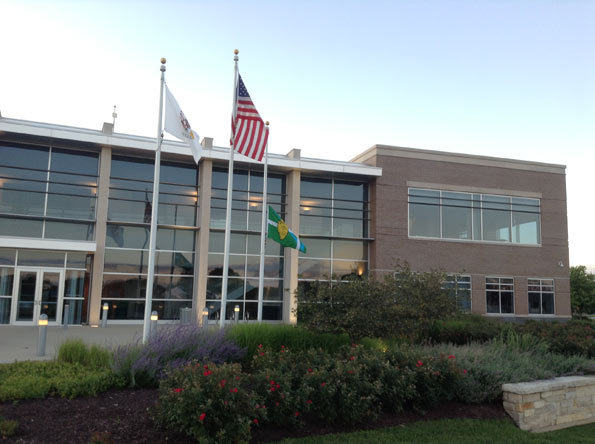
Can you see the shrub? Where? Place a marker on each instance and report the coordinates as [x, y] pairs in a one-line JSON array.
[[172, 347], [464, 329], [582, 291], [28, 380], [404, 303], [75, 351], [572, 338], [251, 336], [7, 427], [208, 402], [486, 367]]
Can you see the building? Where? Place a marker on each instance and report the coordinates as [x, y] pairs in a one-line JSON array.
[[75, 207]]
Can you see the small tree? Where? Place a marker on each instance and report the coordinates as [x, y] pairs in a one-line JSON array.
[[582, 291], [403, 303]]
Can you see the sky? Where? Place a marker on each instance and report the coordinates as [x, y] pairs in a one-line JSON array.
[[504, 78]]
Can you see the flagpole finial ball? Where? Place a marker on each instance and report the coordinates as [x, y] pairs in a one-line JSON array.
[[266, 123], [163, 60], [236, 52]]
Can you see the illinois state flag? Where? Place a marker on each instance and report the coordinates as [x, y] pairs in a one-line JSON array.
[[279, 232], [177, 125]]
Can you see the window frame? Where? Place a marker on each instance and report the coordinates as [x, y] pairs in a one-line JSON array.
[[513, 313], [541, 292]]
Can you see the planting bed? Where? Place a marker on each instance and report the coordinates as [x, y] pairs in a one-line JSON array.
[[122, 416]]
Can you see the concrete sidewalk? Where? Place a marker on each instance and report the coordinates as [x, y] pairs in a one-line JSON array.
[[19, 343]]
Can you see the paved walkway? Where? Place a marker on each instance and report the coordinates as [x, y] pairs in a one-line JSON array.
[[19, 343]]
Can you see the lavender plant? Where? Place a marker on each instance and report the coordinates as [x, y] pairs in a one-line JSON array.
[[171, 347]]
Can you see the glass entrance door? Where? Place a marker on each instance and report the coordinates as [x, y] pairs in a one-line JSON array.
[[39, 291]]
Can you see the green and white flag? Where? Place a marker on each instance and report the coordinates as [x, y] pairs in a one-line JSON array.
[[279, 232]]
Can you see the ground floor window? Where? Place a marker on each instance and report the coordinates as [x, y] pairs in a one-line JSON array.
[[460, 287], [541, 296], [500, 295]]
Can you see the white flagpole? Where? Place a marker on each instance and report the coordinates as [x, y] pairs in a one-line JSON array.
[[229, 198], [153, 237], [263, 229]]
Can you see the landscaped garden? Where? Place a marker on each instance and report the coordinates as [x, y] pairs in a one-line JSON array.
[[338, 371]]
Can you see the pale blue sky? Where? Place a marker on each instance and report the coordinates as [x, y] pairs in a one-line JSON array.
[[498, 78]]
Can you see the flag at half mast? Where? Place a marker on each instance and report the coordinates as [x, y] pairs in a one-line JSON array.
[[249, 133], [279, 232]]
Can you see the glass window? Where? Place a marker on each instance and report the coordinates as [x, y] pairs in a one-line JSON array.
[[20, 227], [7, 256], [69, 230], [6, 281], [460, 288], [525, 221], [496, 218], [41, 258], [500, 295], [541, 296], [25, 156], [78, 162], [456, 216], [424, 213]]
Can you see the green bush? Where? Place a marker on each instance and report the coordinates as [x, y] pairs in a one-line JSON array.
[[7, 427], [465, 328], [485, 367], [404, 303], [75, 351], [208, 402], [38, 379], [574, 337], [251, 336]]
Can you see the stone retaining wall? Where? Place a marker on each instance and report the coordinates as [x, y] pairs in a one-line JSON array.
[[553, 404]]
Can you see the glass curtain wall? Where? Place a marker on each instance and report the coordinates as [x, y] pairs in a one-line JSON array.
[[334, 219], [127, 241], [244, 257], [47, 192]]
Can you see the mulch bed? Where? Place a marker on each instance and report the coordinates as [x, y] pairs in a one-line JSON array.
[[122, 416]]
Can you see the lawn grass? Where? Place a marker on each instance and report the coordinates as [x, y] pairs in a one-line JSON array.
[[460, 431]]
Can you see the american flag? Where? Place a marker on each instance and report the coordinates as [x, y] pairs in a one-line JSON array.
[[249, 133]]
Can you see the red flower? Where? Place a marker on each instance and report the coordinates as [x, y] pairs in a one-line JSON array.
[[259, 345], [272, 389], [207, 373], [323, 384], [309, 401], [222, 382], [350, 372], [272, 382], [309, 370], [297, 414], [276, 404], [202, 417], [261, 354], [264, 406], [255, 421], [464, 371], [233, 390], [282, 347], [256, 406], [451, 357], [206, 366], [225, 402], [419, 364], [237, 378], [352, 358], [178, 390]]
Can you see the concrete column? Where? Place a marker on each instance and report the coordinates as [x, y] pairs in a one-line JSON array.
[[478, 293], [292, 219], [202, 238], [105, 163], [521, 296]]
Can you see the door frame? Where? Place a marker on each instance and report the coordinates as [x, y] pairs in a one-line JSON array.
[[40, 271]]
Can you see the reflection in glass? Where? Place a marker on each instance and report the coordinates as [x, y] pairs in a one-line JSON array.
[[6, 281], [26, 296], [75, 311], [20, 227], [69, 230], [41, 258], [7, 256], [5, 304], [122, 286], [456, 215]]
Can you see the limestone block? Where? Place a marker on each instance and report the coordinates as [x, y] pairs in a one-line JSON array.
[[578, 416], [539, 404], [531, 397], [512, 397]]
